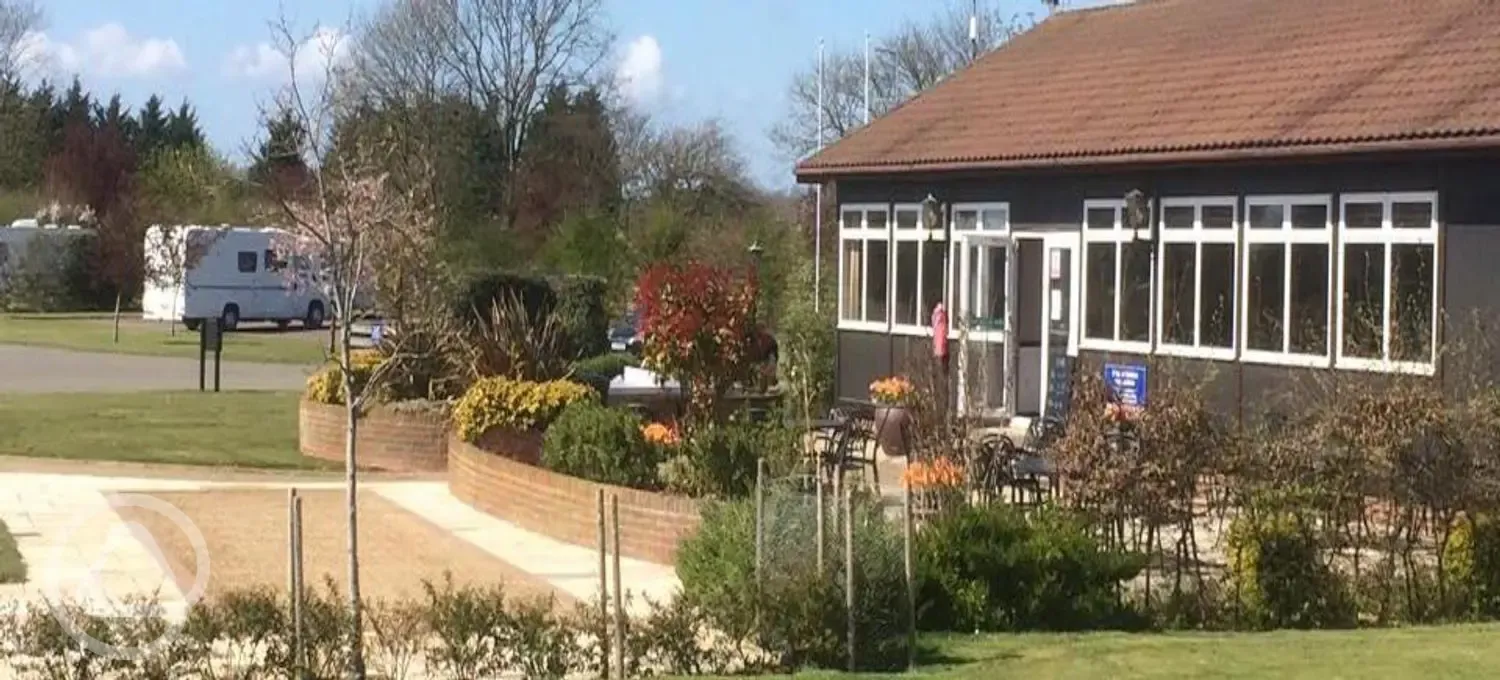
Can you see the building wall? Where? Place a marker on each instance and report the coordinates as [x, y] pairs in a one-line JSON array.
[[1468, 293]]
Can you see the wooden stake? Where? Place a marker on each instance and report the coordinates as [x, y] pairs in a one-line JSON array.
[[603, 591], [619, 594], [849, 568], [760, 527], [911, 592], [822, 516], [294, 576]]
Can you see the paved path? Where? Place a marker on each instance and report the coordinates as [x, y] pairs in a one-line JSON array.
[[76, 545], [39, 369]]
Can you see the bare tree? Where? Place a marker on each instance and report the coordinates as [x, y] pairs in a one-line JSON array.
[[18, 18], [902, 64], [499, 54], [351, 220]]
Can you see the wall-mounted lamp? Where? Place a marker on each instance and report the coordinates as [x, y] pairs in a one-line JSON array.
[[1138, 215]]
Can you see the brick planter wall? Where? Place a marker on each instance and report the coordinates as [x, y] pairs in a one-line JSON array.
[[566, 508], [396, 442]]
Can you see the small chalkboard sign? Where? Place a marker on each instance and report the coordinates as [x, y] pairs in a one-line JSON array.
[[1059, 383]]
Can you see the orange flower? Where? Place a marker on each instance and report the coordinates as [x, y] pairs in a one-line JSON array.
[[937, 473], [892, 390], [658, 433]]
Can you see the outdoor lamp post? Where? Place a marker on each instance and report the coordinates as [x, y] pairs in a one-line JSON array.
[[757, 253]]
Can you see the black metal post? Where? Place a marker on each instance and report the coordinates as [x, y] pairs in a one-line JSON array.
[[218, 355]]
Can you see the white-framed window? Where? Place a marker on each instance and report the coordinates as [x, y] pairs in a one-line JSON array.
[[988, 265], [1288, 275], [1195, 303], [1116, 281], [864, 267], [1388, 282], [919, 274]]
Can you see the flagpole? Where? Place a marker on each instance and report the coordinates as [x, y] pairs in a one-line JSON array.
[[867, 77], [818, 217]]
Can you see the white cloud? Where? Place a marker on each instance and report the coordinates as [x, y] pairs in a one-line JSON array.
[[640, 74], [262, 61], [108, 50]]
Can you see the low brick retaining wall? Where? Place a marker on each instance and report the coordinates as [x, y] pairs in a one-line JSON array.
[[388, 440], [566, 508]]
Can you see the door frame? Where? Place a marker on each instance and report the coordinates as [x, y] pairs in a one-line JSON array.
[[1004, 337], [1072, 242]]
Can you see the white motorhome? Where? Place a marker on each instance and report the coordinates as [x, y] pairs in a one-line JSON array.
[[231, 273], [16, 240]]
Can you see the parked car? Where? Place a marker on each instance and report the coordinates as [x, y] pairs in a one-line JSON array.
[[240, 275]]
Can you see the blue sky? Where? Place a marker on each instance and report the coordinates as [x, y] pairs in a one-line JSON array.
[[693, 59]]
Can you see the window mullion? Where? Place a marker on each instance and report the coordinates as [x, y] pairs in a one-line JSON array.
[[1286, 300]]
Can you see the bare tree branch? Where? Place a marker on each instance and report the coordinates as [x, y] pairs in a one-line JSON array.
[[18, 18]]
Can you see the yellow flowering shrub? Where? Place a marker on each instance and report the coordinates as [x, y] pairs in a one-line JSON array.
[[327, 385], [518, 404]]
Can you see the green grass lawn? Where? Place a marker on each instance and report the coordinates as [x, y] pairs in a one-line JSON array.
[[1457, 652], [240, 429], [12, 567], [94, 333]]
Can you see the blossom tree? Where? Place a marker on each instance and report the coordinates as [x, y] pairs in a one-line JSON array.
[[351, 222], [699, 326]]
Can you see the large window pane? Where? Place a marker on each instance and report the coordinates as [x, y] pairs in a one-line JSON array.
[[1411, 215], [1179, 302], [877, 289], [1177, 217], [1411, 302], [1135, 301], [1216, 299], [906, 282], [1218, 217], [1364, 299], [853, 271], [932, 279], [1265, 306], [992, 307], [1363, 215], [1265, 217], [1309, 217], [1101, 218], [1099, 307], [1309, 318]]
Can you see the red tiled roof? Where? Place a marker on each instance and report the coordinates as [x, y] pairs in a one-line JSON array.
[[1180, 80]]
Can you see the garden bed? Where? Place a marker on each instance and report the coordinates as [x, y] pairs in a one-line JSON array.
[[391, 440], [566, 508]]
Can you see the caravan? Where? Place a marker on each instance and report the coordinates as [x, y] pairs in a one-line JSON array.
[[231, 273]]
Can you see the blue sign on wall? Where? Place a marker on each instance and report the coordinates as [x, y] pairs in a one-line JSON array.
[[1126, 384]]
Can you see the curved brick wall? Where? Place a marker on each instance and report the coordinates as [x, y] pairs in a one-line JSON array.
[[566, 508], [397, 442]]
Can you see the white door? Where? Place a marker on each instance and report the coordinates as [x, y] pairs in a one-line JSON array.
[[985, 323], [1059, 317]]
